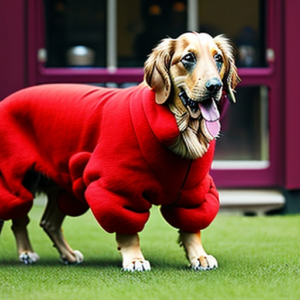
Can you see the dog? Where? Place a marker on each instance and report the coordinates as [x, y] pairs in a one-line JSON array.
[[120, 151]]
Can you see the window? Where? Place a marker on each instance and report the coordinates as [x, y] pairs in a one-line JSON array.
[[101, 33], [75, 33]]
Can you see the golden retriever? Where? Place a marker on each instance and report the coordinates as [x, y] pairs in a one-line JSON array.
[[195, 70], [190, 76]]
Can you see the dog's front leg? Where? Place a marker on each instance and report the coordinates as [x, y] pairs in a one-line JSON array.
[[133, 258], [25, 251], [195, 252]]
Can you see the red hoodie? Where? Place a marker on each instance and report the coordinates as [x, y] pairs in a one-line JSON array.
[[106, 148]]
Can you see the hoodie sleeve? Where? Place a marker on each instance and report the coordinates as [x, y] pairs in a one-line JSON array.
[[198, 201], [196, 207]]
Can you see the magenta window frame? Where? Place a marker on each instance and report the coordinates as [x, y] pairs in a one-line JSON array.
[[270, 76]]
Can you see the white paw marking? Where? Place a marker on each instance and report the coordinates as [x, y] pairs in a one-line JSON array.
[[28, 257], [138, 266], [211, 264], [78, 256]]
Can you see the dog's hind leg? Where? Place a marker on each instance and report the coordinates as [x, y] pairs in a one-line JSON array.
[[51, 222], [199, 259], [15, 206], [129, 247], [25, 251]]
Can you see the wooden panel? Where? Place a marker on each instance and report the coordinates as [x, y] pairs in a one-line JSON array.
[[291, 103], [12, 47]]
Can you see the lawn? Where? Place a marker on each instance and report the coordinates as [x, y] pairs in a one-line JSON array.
[[259, 258]]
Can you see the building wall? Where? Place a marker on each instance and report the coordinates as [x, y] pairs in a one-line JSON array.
[[12, 46], [291, 101]]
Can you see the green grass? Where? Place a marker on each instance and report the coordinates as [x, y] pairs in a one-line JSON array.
[[259, 258]]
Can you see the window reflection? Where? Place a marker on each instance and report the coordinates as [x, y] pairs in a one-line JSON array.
[[75, 33], [141, 24], [149, 21]]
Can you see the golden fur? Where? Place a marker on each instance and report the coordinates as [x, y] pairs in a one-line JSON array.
[[166, 74]]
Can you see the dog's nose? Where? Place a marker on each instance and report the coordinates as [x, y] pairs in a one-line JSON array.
[[213, 85]]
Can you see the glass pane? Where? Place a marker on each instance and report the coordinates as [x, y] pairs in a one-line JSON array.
[[142, 24], [75, 33], [242, 21], [244, 127]]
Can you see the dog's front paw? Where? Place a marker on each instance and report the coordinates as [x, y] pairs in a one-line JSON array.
[[28, 258], [204, 263], [77, 258], [138, 266]]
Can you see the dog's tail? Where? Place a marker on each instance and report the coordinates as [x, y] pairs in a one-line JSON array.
[[1, 225]]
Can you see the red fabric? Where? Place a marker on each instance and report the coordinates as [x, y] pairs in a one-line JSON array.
[[106, 147]]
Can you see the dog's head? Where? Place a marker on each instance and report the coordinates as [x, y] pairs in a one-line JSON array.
[[192, 74]]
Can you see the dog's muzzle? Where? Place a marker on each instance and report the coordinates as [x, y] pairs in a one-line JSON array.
[[207, 109]]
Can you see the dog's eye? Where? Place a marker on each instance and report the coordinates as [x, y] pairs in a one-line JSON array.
[[218, 58], [219, 61], [189, 60], [190, 57]]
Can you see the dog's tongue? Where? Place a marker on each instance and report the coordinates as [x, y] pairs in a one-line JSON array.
[[211, 116]]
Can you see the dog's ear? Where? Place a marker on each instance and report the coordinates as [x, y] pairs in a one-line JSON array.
[[230, 78], [157, 69]]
